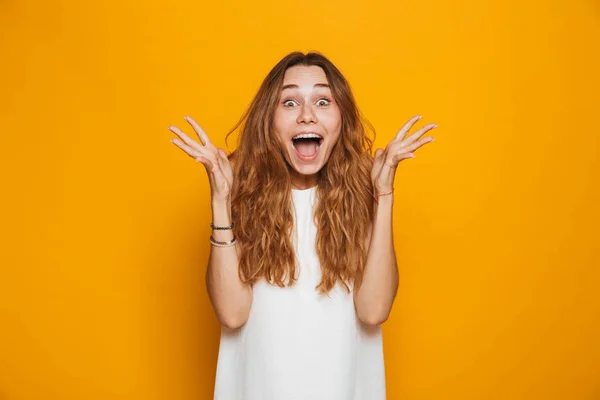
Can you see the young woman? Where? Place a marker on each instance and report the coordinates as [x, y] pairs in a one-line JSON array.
[[302, 270]]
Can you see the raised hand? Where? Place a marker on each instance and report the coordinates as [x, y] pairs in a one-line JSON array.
[[400, 148], [218, 168]]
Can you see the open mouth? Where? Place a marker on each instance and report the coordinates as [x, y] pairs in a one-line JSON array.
[[307, 146]]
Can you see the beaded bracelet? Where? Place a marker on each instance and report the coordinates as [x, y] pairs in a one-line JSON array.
[[384, 194], [222, 244], [221, 227]]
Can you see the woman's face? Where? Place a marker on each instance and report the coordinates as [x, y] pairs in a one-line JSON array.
[[306, 106]]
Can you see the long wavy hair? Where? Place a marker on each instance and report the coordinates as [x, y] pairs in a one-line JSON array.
[[261, 196]]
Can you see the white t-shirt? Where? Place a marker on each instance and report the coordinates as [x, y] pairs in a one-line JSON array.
[[297, 344]]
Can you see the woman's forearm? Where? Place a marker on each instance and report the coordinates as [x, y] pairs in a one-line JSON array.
[[230, 297], [375, 296]]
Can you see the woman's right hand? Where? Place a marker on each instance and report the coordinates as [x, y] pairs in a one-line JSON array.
[[218, 168]]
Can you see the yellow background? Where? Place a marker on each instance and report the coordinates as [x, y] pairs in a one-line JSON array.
[[106, 224]]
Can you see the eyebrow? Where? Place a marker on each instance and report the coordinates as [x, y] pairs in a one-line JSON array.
[[293, 86]]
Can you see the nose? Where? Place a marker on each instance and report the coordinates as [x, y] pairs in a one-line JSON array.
[[307, 114]]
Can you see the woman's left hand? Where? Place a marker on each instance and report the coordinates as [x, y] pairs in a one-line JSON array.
[[400, 148]]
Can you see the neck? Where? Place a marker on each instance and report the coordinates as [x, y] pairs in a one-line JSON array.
[[302, 182]]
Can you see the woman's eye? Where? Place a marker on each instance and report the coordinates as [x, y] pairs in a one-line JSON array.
[[321, 102]]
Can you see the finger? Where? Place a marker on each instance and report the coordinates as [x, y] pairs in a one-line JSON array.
[[418, 144], [223, 155], [407, 127], [221, 159], [399, 157], [378, 153], [185, 138], [419, 133], [199, 131], [207, 163], [195, 154], [192, 152]]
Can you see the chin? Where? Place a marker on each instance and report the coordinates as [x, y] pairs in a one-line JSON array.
[[308, 169]]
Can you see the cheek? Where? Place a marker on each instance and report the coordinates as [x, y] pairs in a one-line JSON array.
[[283, 123], [332, 121], [279, 125]]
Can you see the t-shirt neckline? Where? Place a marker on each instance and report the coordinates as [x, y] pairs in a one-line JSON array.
[[304, 190]]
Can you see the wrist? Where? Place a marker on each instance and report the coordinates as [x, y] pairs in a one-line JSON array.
[[221, 211], [379, 194]]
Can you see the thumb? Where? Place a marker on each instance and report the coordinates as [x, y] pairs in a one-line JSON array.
[[223, 160], [218, 157], [223, 154], [378, 152]]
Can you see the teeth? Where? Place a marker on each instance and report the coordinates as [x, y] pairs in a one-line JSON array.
[[307, 136]]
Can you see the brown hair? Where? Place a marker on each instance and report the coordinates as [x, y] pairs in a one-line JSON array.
[[261, 197]]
